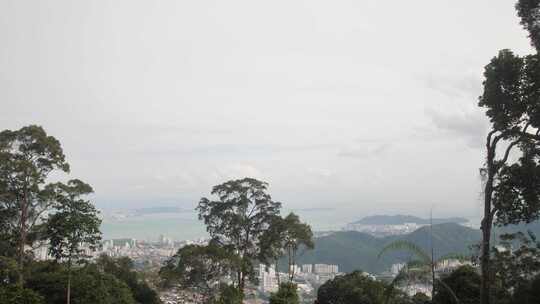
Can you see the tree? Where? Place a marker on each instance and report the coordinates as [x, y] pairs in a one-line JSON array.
[[200, 269], [27, 157], [229, 294], [75, 224], [465, 285], [10, 293], [17, 295], [285, 236], [421, 269], [90, 285], [352, 288], [123, 269], [528, 293], [528, 11], [511, 98], [237, 220], [516, 263], [286, 294], [420, 298]]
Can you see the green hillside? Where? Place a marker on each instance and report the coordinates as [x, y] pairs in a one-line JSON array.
[[353, 250]]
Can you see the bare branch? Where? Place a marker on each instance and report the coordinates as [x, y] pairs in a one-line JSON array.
[[512, 144], [488, 140]]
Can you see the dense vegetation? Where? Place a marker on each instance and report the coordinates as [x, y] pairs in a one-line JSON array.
[[35, 212]]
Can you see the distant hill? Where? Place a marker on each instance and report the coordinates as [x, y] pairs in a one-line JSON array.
[[402, 219], [353, 250]]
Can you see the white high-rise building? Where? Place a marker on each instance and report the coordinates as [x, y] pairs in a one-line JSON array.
[[307, 268], [267, 276], [325, 269]]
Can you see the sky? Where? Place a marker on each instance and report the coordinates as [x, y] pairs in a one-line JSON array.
[[365, 106]]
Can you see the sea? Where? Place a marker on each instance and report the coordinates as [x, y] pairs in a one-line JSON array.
[[185, 225]]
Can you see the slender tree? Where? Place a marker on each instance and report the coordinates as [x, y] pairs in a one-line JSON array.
[[511, 98], [74, 225], [298, 236], [512, 180], [237, 220], [286, 237], [27, 157]]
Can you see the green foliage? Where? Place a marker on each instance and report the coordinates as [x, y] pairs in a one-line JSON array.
[[89, 285], [199, 268], [237, 220], [352, 288], [229, 294], [517, 192], [75, 222], [517, 264], [420, 298], [464, 283], [529, 12], [528, 293], [286, 294], [17, 295], [123, 270], [285, 236], [27, 157]]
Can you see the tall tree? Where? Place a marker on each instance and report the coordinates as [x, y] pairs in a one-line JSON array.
[[124, 270], [237, 220], [511, 98], [286, 237], [27, 157], [75, 224]]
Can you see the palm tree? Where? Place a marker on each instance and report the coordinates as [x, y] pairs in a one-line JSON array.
[[420, 269]]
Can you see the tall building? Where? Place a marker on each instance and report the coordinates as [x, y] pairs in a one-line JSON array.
[[307, 268], [325, 269], [267, 276]]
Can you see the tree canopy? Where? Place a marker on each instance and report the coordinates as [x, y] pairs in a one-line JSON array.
[[237, 219]]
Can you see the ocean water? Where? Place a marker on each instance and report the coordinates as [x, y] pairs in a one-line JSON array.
[[186, 225]]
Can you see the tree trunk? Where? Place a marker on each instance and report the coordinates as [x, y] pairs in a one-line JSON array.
[[22, 237], [277, 272], [68, 294], [487, 222]]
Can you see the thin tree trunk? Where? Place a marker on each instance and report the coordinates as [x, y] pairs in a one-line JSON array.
[[487, 222], [432, 254], [22, 237], [277, 272], [68, 296]]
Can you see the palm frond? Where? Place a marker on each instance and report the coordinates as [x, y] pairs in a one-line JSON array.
[[453, 256], [402, 245]]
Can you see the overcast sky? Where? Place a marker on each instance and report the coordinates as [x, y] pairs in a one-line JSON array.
[[363, 105]]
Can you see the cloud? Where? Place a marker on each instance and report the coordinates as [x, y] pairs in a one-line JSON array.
[[365, 149], [455, 84], [471, 126]]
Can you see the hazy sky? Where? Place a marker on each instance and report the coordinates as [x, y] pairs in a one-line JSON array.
[[364, 105]]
